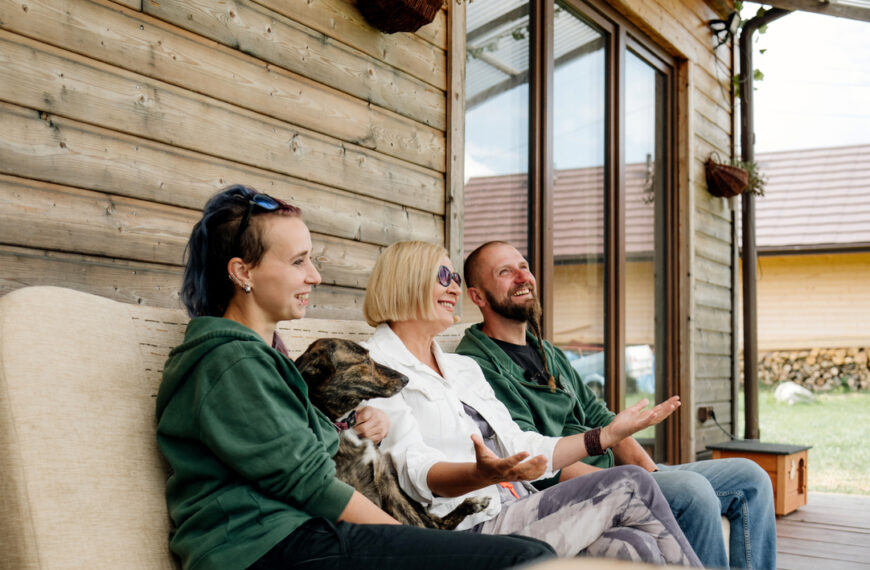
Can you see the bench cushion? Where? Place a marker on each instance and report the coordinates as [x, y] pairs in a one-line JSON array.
[[82, 483]]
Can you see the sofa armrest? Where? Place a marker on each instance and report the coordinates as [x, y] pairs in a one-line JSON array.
[[83, 481]]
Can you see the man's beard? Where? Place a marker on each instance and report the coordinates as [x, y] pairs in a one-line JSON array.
[[527, 312]]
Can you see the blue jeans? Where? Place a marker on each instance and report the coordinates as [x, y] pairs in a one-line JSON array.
[[701, 493]]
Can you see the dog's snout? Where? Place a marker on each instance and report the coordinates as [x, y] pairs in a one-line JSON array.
[[388, 372]]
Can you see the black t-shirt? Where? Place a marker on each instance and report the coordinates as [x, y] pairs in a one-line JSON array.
[[527, 358]]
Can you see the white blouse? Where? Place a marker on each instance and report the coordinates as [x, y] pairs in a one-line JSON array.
[[428, 423]]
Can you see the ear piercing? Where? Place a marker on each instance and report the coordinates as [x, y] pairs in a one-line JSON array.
[[246, 286]]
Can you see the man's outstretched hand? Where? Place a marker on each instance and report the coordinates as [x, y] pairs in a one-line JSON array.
[[631, 420]]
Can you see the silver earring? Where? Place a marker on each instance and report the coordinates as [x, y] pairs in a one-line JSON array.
[[247, 288]]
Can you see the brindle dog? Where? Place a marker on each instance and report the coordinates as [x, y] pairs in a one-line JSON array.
[[340, 375]]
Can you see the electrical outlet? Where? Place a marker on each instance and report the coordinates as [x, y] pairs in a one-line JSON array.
[[705, 413]]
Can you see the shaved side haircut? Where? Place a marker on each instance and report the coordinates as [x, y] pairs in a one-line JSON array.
[[470, 269]]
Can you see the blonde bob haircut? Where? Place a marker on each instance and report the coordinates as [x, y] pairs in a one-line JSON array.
[[402, 283]]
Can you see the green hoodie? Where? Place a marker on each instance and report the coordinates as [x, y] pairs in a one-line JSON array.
[[571, 408], [250, 458]]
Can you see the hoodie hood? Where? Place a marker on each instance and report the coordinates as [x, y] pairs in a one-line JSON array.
[[203, 335]]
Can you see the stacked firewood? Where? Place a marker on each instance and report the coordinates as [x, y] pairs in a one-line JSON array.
[[817, 369]]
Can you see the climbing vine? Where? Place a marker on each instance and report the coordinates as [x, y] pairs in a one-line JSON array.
[[757, 74]]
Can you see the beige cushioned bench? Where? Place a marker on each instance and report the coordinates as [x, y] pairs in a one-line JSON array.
[[81, 478]]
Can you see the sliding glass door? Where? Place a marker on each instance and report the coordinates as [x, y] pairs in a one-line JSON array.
[[569, 157]]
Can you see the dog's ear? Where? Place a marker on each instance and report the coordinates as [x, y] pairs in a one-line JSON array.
[[310, 363], [308, 368], [353, 347], [316, 364]]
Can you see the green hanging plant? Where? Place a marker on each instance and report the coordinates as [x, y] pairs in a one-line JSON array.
[[757, 179]]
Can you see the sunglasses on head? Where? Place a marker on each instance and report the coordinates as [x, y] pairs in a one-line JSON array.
[[262, 201], [445, 276]]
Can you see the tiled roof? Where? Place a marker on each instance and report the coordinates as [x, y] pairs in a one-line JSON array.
[[813, 199]]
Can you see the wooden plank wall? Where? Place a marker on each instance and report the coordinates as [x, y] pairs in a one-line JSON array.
[[813, 301], [119, 119], [704, 126]]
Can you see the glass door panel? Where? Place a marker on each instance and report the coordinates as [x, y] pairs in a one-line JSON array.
[[579, 154], [644, 182]]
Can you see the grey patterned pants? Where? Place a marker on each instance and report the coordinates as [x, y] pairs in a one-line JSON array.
[[614, 513]]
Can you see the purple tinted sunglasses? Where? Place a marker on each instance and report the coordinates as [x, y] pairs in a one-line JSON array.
[[445, 276]]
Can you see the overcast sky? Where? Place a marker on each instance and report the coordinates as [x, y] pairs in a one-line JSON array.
[[816, 87]]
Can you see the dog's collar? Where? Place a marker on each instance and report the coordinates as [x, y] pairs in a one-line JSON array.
[[347, 422]]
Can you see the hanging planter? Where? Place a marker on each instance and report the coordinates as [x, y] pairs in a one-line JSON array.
[[390, 16], [725, 180]]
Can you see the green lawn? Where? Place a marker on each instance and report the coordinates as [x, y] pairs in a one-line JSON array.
[[838, 428]]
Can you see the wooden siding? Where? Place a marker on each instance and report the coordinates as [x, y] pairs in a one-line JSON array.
[[813, 301], [121, 118]]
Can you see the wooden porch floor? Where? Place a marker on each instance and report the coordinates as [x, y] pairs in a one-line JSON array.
[[830, 532]]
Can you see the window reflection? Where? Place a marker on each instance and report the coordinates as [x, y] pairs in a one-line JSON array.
[[644, 140], [496, 126], [579, 190]]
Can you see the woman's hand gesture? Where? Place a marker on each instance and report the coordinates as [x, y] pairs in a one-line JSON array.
[[632, 420], [494, 469]]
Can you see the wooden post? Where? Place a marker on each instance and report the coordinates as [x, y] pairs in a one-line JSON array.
[[455, 175]]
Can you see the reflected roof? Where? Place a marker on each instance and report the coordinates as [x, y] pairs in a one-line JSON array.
[[495, 209], [497, 45]]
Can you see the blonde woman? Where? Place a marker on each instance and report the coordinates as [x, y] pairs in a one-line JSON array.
[[450, 438]]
